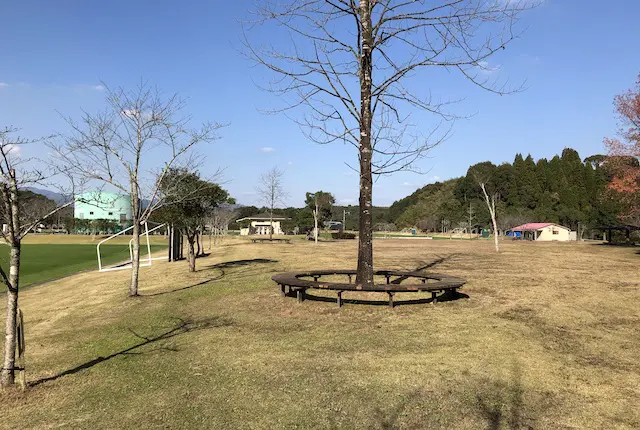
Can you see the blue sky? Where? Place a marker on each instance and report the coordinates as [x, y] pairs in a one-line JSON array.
[[574, 56]]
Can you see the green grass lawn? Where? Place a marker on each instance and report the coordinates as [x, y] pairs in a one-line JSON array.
[[43, 262]]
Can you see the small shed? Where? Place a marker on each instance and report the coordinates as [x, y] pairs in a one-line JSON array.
[[545, 232], [262, 224]]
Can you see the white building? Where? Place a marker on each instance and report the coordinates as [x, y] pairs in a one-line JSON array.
[[260, 224], [545, 231]]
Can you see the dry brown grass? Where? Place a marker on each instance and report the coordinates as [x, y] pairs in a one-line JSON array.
[[548, 338]]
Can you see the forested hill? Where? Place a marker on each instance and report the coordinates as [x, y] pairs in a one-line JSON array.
[[564, 190]]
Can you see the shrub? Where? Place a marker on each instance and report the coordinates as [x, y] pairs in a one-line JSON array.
[[343, 235]]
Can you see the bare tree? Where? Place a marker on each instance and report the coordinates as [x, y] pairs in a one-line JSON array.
[[471, 214], [112, 148], [271, 192], [320, 204], [219, 222], [490, 200], [21, 216], [347, 65]]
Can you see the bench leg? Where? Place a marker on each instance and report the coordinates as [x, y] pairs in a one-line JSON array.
[[451, 293], [349, 278], [300, 293], [390, 299], [282, 290], [339, 299], [434, 297]]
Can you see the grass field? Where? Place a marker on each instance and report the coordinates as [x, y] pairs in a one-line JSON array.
[[547, 336], [43, 260]]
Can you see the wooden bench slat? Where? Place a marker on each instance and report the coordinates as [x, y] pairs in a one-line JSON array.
[[443, 282]]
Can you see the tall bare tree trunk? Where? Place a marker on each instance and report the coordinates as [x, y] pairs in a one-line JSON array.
[[271, 224], [491, 205], [7, 377], [365, 239], [191, 238], [8, 373], [135, 260], [198, 244], [135, 257], [495, 230], [315, 223]]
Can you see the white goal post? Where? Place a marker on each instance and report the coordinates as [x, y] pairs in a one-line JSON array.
[[127, 264]]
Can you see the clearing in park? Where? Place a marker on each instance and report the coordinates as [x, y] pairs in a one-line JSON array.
[[543, 335]]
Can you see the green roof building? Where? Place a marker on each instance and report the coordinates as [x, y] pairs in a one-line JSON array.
[[102, 205]]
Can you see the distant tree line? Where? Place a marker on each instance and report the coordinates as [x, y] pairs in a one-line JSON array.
[[302, 218], [564, 190]]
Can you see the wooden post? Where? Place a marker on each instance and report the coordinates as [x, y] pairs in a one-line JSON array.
[[434, 297], [387, 276], [339, 299], [390, 299], [282, 289], [300, 293]]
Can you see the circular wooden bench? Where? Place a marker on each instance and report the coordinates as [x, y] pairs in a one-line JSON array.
[[257, 239], [299, 282]]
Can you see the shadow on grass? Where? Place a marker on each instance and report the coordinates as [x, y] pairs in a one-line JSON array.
[[446, 297], [219, 266], [424, 266], [175, 290], [617, 244], [499, 404], [183, 326], [502, 405], [240, 263], [390, 419]]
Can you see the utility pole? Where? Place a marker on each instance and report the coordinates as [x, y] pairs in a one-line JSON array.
[[470, 218], [344, 219]]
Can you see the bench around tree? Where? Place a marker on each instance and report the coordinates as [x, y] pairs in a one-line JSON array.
[[428, 282], [266, 239]]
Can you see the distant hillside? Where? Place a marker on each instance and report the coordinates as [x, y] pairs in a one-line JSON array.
[[56, 197], [564, 190], [427, 205]]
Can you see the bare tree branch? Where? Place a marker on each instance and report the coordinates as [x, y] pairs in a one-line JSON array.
[[113, 148]]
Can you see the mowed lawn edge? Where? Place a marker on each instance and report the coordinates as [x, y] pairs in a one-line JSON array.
[[43, 262]]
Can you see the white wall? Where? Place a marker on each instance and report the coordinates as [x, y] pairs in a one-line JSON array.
[[553, 233], [262, 227]]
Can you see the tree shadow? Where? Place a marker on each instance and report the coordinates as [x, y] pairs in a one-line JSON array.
[[219, 266], [175, 290], [183, 326], [240, 263], [617, 244], [426, 265], [502, 405], [390, 419]]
